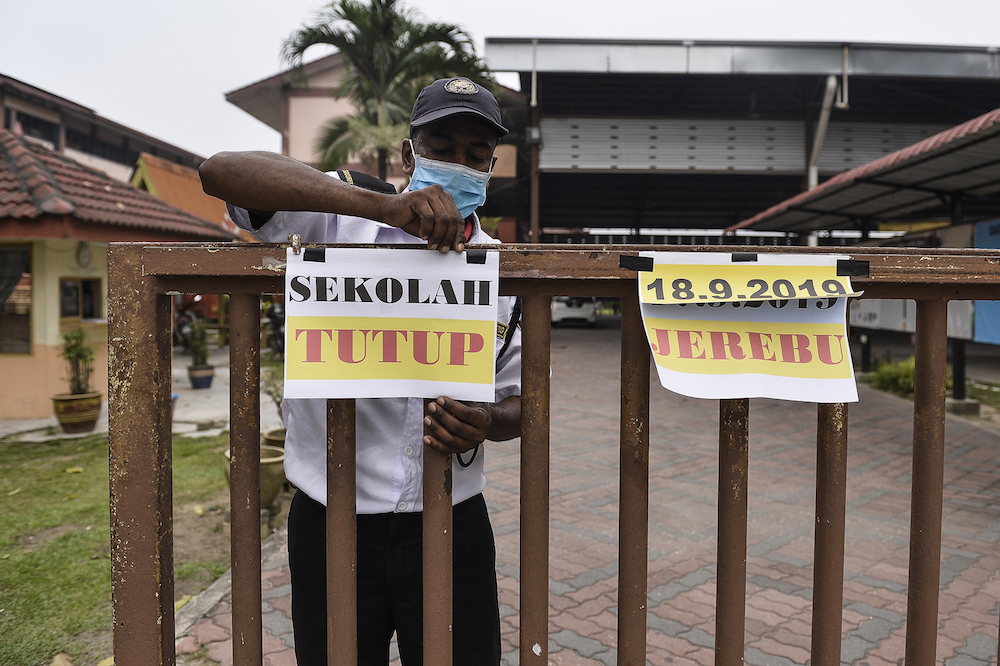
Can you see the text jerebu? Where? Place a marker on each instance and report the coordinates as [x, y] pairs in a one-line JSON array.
[[757, 346], [732, 348]]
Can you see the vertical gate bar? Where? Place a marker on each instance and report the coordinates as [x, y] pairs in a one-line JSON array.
[[828, 552], [534, 548], [140, 463], [633, 507], [341, 534], [730, 612], [437, 556], [164, 426], [244, 467], [928, 483]]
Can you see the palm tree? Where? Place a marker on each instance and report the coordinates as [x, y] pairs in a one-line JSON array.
[[389, 56]]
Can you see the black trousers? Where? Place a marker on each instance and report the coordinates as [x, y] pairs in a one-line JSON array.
[[390, 585]]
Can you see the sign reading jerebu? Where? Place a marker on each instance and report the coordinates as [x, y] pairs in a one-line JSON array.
[[716, 329]]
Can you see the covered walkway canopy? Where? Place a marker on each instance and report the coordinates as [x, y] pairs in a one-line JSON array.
[[954, 174]]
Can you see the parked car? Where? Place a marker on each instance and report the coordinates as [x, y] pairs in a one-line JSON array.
[[574, 308]]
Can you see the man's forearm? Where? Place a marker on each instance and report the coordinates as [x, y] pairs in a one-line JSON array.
[[267, 182], [270, 182], [505, 419]]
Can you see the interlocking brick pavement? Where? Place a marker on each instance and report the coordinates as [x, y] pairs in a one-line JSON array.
[[583, 541]]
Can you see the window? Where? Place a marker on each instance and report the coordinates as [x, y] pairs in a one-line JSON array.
[[36, 127], [78, 140], [80, 298], [15, 300], [109, 151]]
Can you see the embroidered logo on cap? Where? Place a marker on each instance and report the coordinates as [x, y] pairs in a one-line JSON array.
[[461, 87]]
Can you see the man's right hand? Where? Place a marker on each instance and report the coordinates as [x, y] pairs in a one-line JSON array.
[[429, 214]]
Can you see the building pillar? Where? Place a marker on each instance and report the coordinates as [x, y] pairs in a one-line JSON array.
[[536, 233]]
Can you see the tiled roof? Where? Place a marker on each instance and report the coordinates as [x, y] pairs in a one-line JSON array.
[[15, 89], [179, 186], [36, 182]]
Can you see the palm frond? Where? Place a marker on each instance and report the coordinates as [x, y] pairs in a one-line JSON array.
[[335, 144], [341, 139], [389, 54]]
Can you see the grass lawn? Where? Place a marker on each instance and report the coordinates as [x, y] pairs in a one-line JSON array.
[[55, 566], [985, 392]]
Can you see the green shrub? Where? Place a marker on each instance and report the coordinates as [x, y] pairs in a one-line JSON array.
[[79, 355], [900, 377], [897, 377], [199, 343]]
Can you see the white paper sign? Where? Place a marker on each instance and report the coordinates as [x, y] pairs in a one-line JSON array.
[[712, 337], [383, 323]]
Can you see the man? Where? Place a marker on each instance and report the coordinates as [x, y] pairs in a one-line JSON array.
[[454, 128]]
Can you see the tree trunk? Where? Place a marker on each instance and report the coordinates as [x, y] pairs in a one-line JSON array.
[[383, 163]]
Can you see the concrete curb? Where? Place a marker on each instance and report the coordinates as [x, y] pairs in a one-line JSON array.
[[201, 605]]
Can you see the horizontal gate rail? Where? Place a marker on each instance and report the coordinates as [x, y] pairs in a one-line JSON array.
[[141, 277]]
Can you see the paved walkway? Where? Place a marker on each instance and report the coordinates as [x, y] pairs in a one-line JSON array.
[[682, 530]]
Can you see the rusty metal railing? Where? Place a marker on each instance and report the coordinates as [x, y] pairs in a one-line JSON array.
[[141, 276]]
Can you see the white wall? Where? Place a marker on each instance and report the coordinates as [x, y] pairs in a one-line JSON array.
[[113, 169], [306, 115]]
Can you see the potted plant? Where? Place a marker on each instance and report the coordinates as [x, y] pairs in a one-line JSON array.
[[78, 410], [200, 373], [272, 443], [272, 383]]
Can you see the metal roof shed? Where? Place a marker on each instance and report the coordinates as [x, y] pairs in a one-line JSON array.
[[952, 173]]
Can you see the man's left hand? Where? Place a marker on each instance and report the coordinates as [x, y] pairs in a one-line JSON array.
[[456, 427]]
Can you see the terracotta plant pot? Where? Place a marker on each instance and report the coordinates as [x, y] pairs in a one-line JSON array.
[[274, 437], [272, 473], [200, 376], [77, 412]]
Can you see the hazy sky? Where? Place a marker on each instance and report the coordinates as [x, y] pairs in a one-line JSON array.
[[164, 67]]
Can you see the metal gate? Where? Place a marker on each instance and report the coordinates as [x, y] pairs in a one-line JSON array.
[[141, 277]]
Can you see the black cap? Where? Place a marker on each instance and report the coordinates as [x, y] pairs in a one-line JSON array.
[[446, 97]]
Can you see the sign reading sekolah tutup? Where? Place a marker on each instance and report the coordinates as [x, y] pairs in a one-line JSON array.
[[387, 323], [736, 325]]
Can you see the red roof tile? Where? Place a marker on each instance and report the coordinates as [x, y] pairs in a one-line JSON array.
[[36, 182]]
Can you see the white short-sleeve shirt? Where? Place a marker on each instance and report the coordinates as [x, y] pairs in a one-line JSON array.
[[389, 430]]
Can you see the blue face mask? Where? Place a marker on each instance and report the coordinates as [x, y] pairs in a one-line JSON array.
[[466, 186]]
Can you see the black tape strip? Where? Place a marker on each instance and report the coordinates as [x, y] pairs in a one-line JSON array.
[[744, 256], [853, 268], [475, 256], [632, 263], [314, 254]]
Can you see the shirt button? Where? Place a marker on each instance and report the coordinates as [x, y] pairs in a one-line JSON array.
[[408, 451], [401, 506]]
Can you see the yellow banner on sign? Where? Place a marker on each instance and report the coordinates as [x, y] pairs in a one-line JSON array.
[[751, 281], [359, 348], [707, 347]]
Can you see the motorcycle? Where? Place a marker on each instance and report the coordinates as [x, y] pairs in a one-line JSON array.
[[184, 317], [276, 321]]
